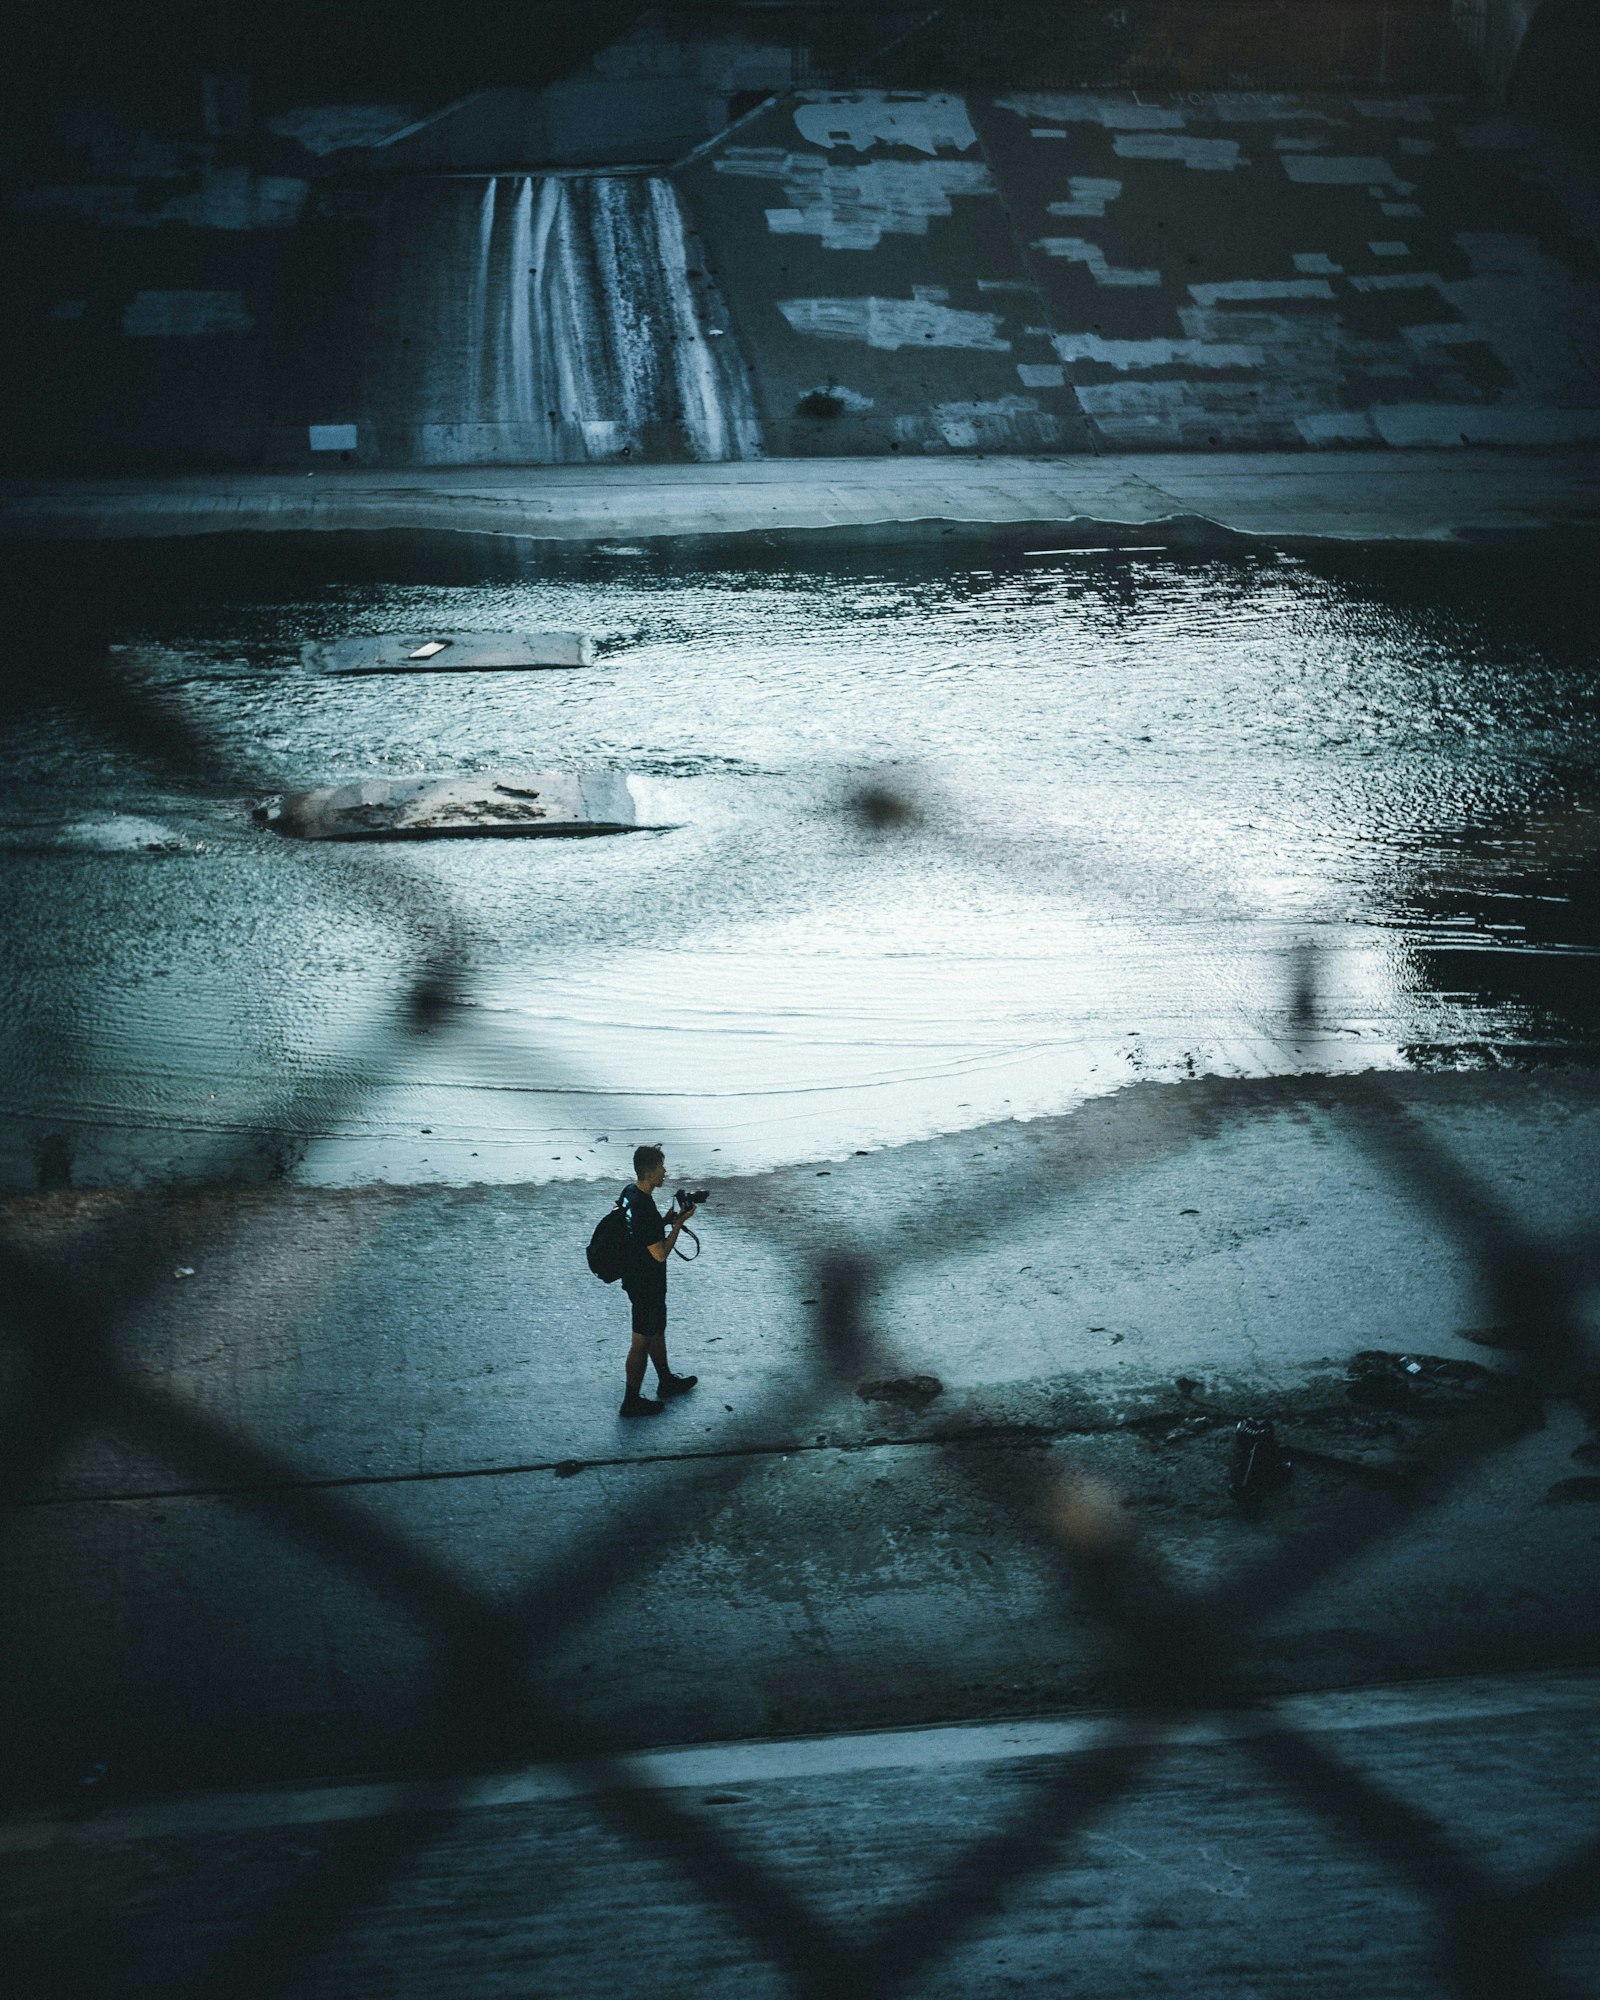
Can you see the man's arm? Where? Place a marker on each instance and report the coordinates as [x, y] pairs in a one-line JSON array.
[[663, 1250]]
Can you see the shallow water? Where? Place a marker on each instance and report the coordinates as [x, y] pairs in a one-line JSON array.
[[1151, 795]]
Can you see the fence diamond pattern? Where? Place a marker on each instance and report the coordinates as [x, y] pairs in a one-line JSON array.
[[1184, 1647]]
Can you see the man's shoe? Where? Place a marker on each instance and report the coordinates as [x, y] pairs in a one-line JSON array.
[[678, 1385], [640, 1406]]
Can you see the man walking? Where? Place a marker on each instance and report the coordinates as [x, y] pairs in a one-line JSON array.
[[651, 1238]]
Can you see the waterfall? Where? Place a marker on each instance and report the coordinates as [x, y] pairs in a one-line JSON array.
[[478, 300], [579, 335], [721, 426], [515, 400]]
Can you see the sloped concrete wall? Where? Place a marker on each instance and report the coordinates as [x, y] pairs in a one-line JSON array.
[[1073, 270], [862, 272]]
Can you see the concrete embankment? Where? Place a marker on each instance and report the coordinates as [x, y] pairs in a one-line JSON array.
[[1417, 496], [847, 272], [1098, 1295], [1204, 1861]]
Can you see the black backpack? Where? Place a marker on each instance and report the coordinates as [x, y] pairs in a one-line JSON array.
[[609, 1245]]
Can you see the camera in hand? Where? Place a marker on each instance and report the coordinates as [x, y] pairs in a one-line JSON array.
[[690, 1197]]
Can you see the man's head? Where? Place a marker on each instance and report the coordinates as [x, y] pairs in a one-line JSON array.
[[649, 1167]]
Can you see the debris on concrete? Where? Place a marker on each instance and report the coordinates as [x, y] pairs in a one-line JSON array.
[[1395, 1407], [1258, 1466], [1190, 1427], [914, 1391], [1426, 1387], [560, 802], [450, 652]]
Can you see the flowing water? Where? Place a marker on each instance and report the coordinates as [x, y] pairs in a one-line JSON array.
[[584, 331], [1120, 810]]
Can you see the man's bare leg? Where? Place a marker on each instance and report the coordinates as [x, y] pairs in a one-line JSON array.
[[671, 1385], [633, 1403]]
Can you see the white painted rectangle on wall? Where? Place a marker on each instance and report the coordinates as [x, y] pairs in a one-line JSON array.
[[333, 437]]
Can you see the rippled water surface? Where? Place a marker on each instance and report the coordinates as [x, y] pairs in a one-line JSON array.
[[1138, 790]]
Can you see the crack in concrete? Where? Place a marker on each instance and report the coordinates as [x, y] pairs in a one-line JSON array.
[[1150, 1429]]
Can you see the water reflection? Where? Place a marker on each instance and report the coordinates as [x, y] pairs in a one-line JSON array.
[[1509, 926], [1140, 784]]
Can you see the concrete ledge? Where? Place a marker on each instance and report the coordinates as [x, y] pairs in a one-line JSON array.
[[1535, 1703], [971, 1861], [1349, 495]]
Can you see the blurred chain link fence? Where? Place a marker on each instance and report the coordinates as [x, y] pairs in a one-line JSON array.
[[1184, 1650]]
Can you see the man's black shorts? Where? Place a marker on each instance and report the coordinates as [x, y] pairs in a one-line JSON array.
[[649, 1312]]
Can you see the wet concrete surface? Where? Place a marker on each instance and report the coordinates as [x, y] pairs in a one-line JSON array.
[[1101, 1296]]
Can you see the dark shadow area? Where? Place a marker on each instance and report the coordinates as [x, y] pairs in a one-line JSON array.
[[150, 57], [1529, 932], [1181, 45], [1558, 68]]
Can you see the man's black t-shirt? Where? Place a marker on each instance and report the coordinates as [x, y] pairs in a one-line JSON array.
[[642, 1272]]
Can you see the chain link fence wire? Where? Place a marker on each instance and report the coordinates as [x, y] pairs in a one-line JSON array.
[[1184, 1651]]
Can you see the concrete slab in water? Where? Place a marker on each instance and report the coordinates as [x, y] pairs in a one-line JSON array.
[[550, 802], [452, 652]]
